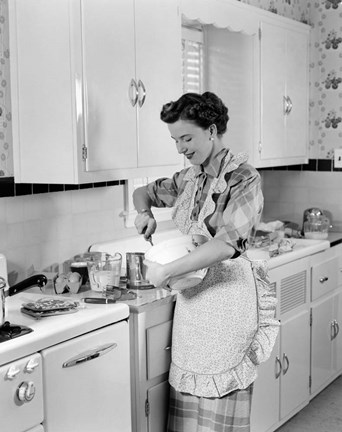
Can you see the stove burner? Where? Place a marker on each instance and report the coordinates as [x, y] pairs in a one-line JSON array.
[[10, 331]]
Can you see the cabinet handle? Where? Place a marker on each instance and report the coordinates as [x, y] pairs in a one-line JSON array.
[[290, 105], [286, 105], [80, 115], [337, 328], [89, 355], [142, 87], [332, 330], [167, 348], [285, 361], [324, 279], [133, 88], [278, 367]]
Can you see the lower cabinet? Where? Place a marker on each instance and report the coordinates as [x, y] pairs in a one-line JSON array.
[[306, 358], [326, 319], [282, 386], [151, 332]]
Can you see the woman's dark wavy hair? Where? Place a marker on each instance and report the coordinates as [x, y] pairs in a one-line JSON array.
[[204, 110]]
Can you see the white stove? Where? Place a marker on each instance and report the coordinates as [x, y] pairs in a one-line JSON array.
[[54, 378]]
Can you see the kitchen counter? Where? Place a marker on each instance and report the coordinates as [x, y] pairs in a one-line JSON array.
[[335, 238], [151, 298], [52, 330]]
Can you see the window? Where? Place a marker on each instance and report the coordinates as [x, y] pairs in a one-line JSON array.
[[193, 71]]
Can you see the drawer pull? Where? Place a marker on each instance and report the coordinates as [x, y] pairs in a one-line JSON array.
[[324, 279], [167, 348]]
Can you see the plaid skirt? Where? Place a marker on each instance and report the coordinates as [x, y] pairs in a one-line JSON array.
[[230, 413]]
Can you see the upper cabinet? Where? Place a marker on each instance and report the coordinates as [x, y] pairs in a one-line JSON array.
[[88, 80], [257, 62], [284, 93]]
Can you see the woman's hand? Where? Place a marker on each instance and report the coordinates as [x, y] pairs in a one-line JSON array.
[[145, 224], [156, 274]]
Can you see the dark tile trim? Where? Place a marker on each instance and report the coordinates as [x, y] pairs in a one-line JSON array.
[[326, 165], [8, 188]]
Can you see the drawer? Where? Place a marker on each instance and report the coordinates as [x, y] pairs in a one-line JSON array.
[[324, 277], [158, 349]]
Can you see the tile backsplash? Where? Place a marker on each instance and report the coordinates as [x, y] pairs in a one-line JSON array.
[[288, 193]]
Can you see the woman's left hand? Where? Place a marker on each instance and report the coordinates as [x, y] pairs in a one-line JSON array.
[[156, 274]]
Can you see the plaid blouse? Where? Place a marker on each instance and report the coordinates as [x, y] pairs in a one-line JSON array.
[[237, 209]]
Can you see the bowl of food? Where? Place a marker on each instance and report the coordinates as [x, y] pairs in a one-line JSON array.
[[170, 250]]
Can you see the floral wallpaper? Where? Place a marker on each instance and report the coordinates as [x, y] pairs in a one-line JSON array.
[[326, 79], [324, 16], [6, 154]]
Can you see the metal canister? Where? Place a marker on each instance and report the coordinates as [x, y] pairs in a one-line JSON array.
[[136, 270]]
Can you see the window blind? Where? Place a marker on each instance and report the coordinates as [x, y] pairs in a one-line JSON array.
[[192, 50]]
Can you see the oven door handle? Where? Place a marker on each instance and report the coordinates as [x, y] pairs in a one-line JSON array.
[[89, 355]]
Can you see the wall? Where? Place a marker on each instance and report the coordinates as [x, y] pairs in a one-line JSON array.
[[39, 230]]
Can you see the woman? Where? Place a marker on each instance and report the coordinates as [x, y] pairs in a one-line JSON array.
[[223, 327]]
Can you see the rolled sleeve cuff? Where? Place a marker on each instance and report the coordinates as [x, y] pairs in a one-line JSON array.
[[239, 244]]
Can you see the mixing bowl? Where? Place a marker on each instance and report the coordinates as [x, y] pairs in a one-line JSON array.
[[170, 250]]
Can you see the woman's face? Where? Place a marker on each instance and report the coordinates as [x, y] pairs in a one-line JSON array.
[[192, 141]]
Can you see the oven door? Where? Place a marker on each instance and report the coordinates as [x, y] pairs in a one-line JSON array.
[[21, 394], [87, 382]]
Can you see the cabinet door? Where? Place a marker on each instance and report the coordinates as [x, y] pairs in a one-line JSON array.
[[297, 89], [108, 67], [158, 399], [337, 341], [295, 358], [284, 94], [321, 352], [43, 91], [159, 70], [265, 401], [273, 78]]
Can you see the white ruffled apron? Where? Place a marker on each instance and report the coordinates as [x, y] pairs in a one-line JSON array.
[[225, 326]]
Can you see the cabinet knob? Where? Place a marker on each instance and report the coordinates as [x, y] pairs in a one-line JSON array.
[[324, 279]]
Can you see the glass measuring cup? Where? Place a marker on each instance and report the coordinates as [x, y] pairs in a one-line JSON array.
[[105, 272]]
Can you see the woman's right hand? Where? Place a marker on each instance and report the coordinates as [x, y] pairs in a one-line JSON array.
[[145, 224]]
